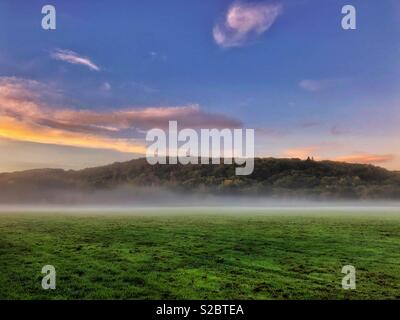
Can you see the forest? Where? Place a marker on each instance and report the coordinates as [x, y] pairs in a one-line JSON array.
[[294, 178]]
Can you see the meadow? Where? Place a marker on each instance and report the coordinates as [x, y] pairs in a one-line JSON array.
[[200, 254]]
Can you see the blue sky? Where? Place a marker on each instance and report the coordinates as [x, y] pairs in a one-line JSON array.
[[305, 84]]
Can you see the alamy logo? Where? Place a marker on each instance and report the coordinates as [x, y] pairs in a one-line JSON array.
[[49, 20], [186, 146], [49, 280], [349, 20], [349, 280]]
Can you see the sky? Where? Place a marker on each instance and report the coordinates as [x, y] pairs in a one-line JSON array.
[[86, 93]]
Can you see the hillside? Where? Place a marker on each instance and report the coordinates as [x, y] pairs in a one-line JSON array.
[[271, 177]]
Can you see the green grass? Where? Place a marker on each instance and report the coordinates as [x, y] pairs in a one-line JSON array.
[[214, 255]]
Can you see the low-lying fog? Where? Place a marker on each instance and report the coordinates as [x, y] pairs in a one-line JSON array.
[[133, 199]]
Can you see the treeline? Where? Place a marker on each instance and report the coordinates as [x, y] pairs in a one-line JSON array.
[[271, 177]]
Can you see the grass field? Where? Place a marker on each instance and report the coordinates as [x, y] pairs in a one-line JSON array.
[[215, 254]]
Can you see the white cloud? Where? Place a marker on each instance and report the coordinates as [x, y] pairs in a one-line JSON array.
[[244, 20], [106, 86], [157, 56], [317, 85], [74, 58], [311, 85]]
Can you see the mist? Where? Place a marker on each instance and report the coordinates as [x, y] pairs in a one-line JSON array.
[[127, 198]]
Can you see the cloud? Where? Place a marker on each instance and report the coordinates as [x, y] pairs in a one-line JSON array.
[[317, 85], [143, 87], [312, 85], [324, 151], [73, 58], [338, 129], [301, 153], [157, 56], [316, 151], [366, 158], [245, 20], [25, 117], [190, 116], [309, 124], [106, 86]]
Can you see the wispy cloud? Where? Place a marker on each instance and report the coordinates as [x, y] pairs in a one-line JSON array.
[[339, 129], [317, 152], [25, 117], [310, 124], [157, 56], [301, 153], [105, 86], [366, 158], [244, 20], [74, 58], [143, 87], [311, 85], [317, 85]]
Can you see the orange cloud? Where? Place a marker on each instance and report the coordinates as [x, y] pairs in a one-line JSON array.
[[24, 117], [366, 158], [301, 153], [361, 157], [16, 130]]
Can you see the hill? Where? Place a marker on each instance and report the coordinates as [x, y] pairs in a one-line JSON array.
[[271, 177]]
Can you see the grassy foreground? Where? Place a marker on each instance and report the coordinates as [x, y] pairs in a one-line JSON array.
[[214, 255]]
